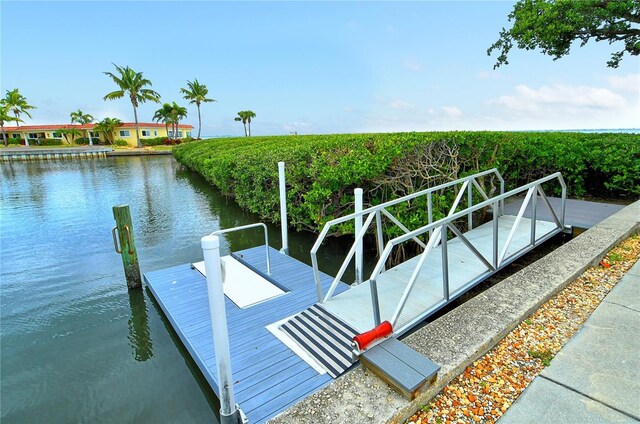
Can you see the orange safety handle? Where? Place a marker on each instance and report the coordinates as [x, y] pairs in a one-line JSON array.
[[365, 339]]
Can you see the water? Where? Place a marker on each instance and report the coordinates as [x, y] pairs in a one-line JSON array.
[[75, 345]]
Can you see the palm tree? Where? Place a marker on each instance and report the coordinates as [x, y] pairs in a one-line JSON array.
[[107, 126], [197, 93], [5, 117], [245, 116], [177, 113], [70, 134], [242, 117], [250, 114], [83, 119], [164, 115], [132, 83], [17, 103]]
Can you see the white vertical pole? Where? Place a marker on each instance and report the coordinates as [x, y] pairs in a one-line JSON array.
[[26, 139], [229, 413], [283, 209], [358, 225]]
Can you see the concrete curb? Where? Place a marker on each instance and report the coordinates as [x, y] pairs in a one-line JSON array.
[[463, 335]]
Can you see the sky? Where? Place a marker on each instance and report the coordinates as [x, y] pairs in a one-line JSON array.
[[310, 67]]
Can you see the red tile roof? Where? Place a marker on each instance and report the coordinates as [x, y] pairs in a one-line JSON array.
[[54, 127]]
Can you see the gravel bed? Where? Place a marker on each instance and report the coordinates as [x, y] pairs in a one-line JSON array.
[[486, 389]]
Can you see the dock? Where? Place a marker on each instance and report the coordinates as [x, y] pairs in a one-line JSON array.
[[268, 375], [43, 153], [297, 339]]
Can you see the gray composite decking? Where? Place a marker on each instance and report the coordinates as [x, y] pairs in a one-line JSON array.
[[269, 376], [579, 213]]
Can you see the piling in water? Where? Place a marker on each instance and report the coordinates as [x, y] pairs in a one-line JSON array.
[[124, 229]]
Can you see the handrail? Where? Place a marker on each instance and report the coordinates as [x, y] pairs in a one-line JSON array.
[[246, 227], [378, 209], [445, 223]]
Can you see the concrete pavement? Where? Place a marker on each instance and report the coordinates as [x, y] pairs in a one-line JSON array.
[[595, 378]]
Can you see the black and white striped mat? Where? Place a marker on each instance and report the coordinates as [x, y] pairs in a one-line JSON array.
[[324, 337]]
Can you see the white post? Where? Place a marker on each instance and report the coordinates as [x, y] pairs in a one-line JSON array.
[[90, 140], [229, 412], [283, 209], [26, 139], [358, 225]]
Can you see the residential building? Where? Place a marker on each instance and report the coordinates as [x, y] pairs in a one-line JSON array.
[[126, 131]]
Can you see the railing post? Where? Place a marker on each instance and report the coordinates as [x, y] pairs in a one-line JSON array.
[[373, 286], [534, 213], [229, 411], [444, 234], [469, 204], [358, 226], [127, 249], [380, 237], [430, 211], [496, 215], [283, 209]]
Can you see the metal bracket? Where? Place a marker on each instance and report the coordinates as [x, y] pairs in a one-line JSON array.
[[115, 239]]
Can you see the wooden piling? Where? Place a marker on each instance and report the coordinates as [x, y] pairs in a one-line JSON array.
[[127, 245]]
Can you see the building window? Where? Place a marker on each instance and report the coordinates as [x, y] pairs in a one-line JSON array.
[[33, 135], [146, 133], [155, 133], [170, 134], [95, 134], [15, 135], [179, 134], [56, 135], [188, 133], [124, 133]]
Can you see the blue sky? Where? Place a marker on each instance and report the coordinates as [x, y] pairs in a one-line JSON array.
[[310, 67]]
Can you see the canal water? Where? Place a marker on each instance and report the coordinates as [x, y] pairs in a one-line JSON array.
[[76, 346]]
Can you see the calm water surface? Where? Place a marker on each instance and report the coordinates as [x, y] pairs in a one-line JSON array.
[[75, 345]]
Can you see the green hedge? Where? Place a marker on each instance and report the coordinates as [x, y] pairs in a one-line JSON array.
[[323, 170]]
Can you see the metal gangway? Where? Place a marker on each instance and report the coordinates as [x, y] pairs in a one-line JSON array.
[[450, 262]]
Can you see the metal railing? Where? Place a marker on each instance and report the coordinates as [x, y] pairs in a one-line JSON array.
[[246, 227], [464, 185], [438, 235]]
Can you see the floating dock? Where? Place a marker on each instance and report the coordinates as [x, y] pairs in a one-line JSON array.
[[289, 330], [269, 376]]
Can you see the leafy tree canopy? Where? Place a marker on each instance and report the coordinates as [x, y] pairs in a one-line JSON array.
[[553, 26]]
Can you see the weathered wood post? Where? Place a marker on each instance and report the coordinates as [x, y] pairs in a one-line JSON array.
[[127, 249]]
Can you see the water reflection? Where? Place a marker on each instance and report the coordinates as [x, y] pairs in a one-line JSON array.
[[139, 334], [199, 378]]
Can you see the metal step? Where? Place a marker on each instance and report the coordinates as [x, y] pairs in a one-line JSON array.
[[323, 336], [401, 367]]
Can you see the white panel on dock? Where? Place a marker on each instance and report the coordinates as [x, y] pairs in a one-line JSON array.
[[241, 285]]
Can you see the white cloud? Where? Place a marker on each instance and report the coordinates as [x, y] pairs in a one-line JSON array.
[[629, 83], [560, 98], [452, 111], [347, 109], [412, 64], [401, 105], [297, 126]]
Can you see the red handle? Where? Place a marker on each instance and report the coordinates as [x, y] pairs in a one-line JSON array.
[[365, 339]]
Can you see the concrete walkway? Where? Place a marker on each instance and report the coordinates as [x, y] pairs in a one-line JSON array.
[[595, 378]]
